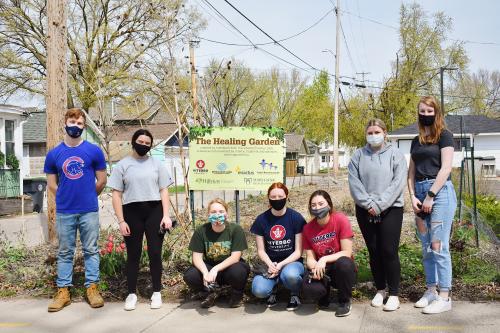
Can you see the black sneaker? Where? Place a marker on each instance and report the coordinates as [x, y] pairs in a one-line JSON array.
[[235, 300], [271, 300], [324, 302], [344, 309], [209, 301], [294, 303]]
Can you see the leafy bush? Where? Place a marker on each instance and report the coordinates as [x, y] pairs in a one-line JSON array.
[[12, 161], [489, 208], [2, 160]]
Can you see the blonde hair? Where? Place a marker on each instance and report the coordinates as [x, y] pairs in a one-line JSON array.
[[219, 201], [376, 122], [436, 128]]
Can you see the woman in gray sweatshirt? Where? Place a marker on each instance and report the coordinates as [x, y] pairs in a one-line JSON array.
[[377, 174]]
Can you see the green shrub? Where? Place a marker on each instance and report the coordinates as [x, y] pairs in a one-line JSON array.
[[2, 160], [410, 257], [489, 208], [12, 161]]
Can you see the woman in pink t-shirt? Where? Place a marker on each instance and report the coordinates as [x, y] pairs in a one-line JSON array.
[[327, 240]]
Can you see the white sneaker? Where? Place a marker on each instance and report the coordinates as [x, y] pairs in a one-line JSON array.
[[438, 305], [378, 300], [130, 302], [156, 300], [429, 296], [392, 303]]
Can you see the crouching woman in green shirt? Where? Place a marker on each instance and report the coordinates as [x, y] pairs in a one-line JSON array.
[[217, 247]]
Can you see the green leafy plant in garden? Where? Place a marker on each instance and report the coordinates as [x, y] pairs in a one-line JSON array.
[[2, 160], [274, 132], [199, 132], [12, 161], [489, 208]]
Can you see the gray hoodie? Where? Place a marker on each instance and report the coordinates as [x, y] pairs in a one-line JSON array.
[[377, 180]]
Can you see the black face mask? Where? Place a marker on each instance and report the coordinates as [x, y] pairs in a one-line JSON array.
[[140, 149], [278, 204], [426, 120], [74, 131]]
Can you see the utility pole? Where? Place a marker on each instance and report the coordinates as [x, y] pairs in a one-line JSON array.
[[363, 75], [336, 98], [441, 72], [193, 83], [57, 97]]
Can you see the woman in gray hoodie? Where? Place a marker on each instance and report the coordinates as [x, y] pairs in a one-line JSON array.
[[377, 174]]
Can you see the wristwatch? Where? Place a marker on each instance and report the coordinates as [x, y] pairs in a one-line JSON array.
[[431, 194]]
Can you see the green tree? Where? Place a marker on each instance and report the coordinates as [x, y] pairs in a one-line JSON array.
[[315, 111], [353, 120], [416, 69]]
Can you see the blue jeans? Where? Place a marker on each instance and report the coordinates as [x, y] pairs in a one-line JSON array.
[[67, 226], [291, 277], [437, 228]]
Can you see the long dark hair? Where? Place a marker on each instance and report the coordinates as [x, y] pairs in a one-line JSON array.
[[325, 195], [140, 132]]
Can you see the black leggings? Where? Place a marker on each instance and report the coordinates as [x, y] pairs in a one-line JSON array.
[[382, 241], [342, 275], [143, 217], [235, 275]]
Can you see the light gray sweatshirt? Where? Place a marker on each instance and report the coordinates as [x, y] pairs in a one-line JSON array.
[[377, 179]]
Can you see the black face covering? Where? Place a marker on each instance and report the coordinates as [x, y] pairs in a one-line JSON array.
[[426, 120], [140, 149], [278, 204]]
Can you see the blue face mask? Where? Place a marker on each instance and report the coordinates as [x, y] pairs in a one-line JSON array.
[[74, 131], [214, 218]]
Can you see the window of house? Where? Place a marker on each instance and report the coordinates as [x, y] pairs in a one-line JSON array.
[[9, 137]]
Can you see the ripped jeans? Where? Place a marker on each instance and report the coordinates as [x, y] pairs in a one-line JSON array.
[[434, 233]]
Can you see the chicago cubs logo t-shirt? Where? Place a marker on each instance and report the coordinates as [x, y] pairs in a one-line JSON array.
[[75, 168], [278, 232], [325, 240]]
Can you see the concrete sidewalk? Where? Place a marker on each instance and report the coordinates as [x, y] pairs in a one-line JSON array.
[[30, 315]]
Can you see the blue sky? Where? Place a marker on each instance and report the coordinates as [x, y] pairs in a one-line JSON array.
[[372, 46]]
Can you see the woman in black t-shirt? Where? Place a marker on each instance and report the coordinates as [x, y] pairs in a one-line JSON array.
[[434, 202], [278, 233]]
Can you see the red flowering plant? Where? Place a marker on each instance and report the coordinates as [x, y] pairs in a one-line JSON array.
[[113, 256]]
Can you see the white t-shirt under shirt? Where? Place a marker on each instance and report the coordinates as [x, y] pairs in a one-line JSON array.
[[139, 179]]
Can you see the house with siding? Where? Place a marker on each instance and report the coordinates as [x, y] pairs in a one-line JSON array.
[[468, 130]]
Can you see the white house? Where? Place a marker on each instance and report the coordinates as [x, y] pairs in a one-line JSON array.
[[326, 152], [481, 132], [12, 119]]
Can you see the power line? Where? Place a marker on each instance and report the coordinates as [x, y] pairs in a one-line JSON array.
[[274, 40], [279, 40], [249, 40]]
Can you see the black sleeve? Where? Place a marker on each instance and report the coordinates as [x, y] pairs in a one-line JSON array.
[[413, 143], [446, 139]]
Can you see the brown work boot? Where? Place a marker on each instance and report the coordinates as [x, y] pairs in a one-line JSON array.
[[61, 299], [94, 297]]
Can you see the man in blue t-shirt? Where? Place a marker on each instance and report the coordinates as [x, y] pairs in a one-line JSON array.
[[76, 174]]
